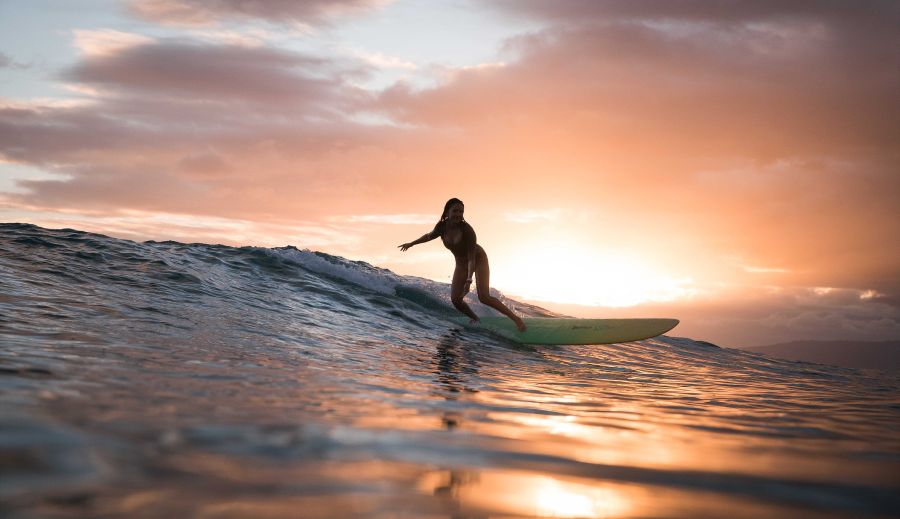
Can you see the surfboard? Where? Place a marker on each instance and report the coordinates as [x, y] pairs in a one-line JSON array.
[[550, 331]]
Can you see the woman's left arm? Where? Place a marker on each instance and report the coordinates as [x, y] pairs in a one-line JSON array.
[[472, 251]]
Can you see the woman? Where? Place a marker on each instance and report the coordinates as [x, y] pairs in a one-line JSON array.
[[459, 237]]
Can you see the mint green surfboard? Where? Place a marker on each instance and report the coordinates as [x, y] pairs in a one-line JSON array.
[[548, 330]]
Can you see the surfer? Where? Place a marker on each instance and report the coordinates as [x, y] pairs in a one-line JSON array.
[[459, 237]]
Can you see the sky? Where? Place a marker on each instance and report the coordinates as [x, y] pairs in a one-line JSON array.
[[731, 164]]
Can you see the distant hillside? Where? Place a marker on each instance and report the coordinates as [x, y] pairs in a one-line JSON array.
[[883, 355]]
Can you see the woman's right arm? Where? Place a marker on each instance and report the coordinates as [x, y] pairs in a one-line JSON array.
[[422, 239]]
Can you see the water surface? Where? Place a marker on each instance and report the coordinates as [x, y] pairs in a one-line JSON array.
[[189, 380]]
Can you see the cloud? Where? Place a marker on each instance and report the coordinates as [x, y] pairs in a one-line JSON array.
[[106, 42], [206, 12], [382, 61], [204, 164], [186, 126], [140, 225], [715, 11], [718, 85], [7, 62], [203, 73], [171, 99], [390, 219]]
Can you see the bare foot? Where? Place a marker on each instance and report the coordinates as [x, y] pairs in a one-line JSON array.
[[474, 321], [520, 324]]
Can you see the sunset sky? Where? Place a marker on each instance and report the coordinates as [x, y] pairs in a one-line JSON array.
[[735, 165]]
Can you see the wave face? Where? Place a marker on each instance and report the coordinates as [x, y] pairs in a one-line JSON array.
[[163, 379]]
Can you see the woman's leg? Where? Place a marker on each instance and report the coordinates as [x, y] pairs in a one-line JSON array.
[[456, 289], [483, 278]]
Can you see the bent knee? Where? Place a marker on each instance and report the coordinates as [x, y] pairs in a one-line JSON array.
[[456, 300], [485, 298]]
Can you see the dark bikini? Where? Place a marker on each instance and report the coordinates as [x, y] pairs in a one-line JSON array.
[[464, 246]]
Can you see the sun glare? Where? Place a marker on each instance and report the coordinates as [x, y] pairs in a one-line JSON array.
[[570, 274], [553, 498]]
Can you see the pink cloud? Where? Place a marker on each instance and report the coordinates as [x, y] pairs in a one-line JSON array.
[[204, 12], [173, 98], [717, 11], [191, 127], [206, 72], [725, 87]]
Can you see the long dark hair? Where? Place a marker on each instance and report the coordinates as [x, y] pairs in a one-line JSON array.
[[448, 205]]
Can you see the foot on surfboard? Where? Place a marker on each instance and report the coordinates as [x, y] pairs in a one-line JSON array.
[[520, 324]]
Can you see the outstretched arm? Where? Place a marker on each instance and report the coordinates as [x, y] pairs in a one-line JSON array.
[[422, 239]]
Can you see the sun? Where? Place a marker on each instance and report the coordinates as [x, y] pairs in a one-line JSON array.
[[564, 272]]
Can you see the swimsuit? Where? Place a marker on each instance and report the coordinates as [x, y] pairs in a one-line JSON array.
[[465, 247]]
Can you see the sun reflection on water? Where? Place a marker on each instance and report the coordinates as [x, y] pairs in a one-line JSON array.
[[526, 494], [554, 498]]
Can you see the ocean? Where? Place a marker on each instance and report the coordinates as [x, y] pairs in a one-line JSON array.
[[164, 379]]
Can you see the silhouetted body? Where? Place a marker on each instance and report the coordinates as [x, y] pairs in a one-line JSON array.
[[471, 260]]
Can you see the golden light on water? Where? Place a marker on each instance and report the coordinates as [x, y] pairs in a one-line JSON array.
[[528, 495], [566, 272], [554, 498]]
